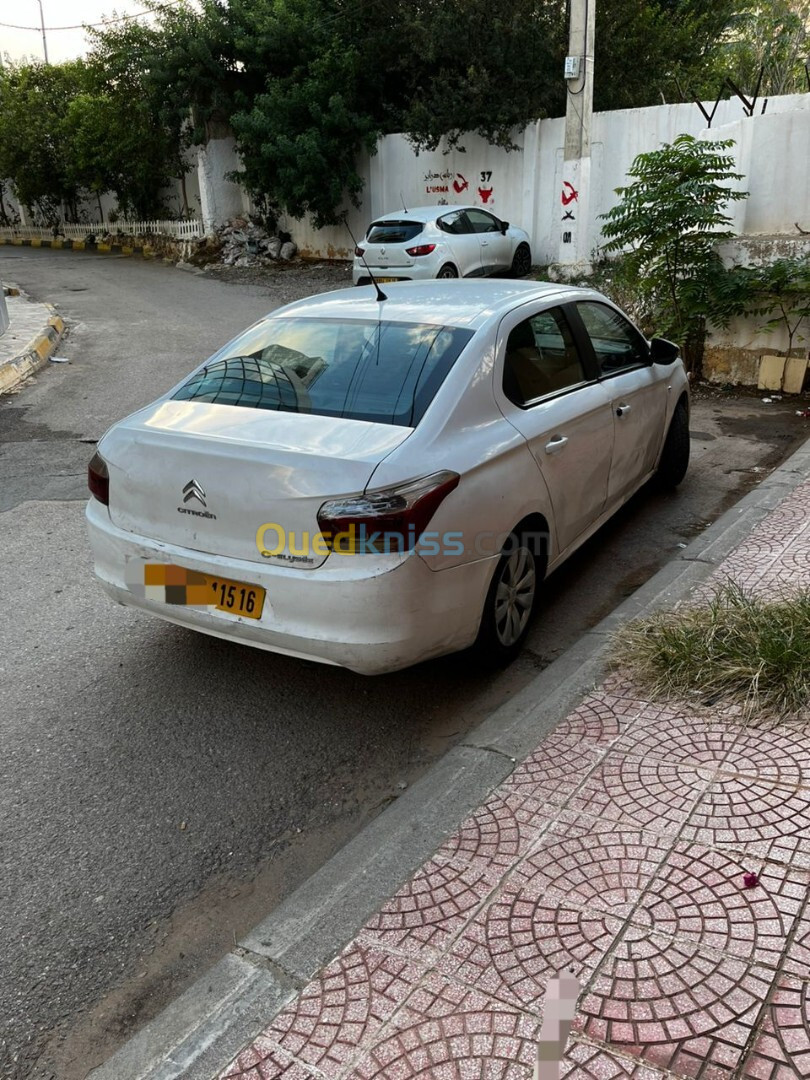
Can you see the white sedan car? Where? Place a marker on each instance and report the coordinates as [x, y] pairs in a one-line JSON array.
[[440, 242], [371, 482]]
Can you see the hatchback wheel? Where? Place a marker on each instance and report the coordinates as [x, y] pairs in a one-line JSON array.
[[675, 455], [522, 261], [510, 602], [448, 271]]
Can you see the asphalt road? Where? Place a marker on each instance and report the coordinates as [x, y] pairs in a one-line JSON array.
[[161, 790]]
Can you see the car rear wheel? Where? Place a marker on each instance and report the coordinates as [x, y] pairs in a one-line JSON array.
[[447, 271], [510, 602], [675, 455], [522, 261]]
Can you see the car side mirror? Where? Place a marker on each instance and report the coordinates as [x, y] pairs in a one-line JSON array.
[[663, 351], [504, 227]]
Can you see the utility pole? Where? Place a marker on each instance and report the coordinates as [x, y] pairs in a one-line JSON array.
[[574, 196], [44, 38]]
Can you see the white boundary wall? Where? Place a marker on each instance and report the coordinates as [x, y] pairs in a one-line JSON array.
[[524, 186]]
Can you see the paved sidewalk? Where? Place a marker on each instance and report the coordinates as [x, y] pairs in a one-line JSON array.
[[31, 339], [619, 849]]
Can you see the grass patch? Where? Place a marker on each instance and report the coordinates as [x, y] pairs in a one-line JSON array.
[[739, 648]]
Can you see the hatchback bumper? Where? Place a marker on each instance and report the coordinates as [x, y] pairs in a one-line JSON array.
[[366, 613]]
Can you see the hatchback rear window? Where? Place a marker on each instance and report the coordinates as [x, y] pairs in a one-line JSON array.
[[387, 372], [393, 232]]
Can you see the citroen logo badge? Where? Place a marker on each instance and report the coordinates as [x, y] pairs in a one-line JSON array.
[[193, 490]]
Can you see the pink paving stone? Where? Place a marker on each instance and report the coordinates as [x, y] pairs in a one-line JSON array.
[[448, 1032], [522, 939], [645, 792], [778, 753], [553, 771], [430, 909], [602, 716], [699, 894], [797, 956], [698, 1033], [342, 1009], [681, 737], [758, 818], [782, 1047], [595, 863], [584, 1061], [499, 832], [264, 1061]]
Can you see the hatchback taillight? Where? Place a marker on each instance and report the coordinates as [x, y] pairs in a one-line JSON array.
[[420, 249], [98, 479], [389, 519], [359, 252]]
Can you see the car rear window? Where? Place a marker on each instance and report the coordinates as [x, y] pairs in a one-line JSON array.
[[387, 372], [393, 232]]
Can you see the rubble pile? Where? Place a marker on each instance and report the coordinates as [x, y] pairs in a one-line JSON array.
[[245, 244]]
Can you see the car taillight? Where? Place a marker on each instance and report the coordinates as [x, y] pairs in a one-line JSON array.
[[389, 519], [420, 249], [98, 479], [359, 252]]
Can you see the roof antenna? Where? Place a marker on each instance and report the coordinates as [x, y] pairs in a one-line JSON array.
[[380, 294], [402, 199]]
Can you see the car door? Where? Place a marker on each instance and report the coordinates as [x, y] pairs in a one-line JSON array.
[[496, 249], [546, 390], [463, 243], [638, 395]]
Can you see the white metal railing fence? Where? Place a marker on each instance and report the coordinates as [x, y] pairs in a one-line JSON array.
[[179, 230]]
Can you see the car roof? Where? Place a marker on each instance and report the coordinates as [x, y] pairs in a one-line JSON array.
[[466, 303], [425, 213]]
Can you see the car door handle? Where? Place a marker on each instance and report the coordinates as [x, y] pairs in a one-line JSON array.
[[485, 243], [556, 444], [623, 410]]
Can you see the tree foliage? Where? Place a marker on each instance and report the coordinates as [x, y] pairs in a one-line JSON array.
[[667, 223], [771, 37]]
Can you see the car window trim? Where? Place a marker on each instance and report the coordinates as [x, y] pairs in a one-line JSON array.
[[550, 396], [580, 332]]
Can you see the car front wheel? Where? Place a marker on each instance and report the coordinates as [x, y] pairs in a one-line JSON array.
[[675, 455], [522, 261], [510, 602]]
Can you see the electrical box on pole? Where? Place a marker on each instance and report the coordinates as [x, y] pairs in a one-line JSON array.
[[572, 67]]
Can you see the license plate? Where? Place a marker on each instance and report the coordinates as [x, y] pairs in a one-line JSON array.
[[386, 280], [177, 585]]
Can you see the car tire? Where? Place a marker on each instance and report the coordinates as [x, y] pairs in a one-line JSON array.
[[506, 618], [521, 261], [447, 271], [675, 455]]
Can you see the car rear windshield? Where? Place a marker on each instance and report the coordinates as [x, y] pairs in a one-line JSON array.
[[387, 372], [393, 232]]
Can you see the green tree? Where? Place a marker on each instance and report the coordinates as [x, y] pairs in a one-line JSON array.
[[667, 223], [782, 290], [773, 35], [34, 152]]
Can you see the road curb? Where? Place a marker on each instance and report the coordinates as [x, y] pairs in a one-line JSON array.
[[203, 1030], [145, 251], [35, 355]]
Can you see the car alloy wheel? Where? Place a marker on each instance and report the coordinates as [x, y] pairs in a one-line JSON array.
[[448, 271], [522, 261], [515, 589]]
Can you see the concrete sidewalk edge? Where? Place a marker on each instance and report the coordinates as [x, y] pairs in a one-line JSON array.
[[36, 354], [198, 1034]]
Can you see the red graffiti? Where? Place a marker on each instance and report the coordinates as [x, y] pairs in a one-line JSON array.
[[570, 195], [485, 193], [459, 187]]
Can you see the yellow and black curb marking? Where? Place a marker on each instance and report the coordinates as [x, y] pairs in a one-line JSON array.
[[144, 250], [39, 351]]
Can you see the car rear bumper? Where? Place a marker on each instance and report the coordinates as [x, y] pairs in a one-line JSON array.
[[365, 613]]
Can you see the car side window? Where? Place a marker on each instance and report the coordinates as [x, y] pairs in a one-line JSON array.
[[455, 223], [482, 222], [616, 342], [541, 358]]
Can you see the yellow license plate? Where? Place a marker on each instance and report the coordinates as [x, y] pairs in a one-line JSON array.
[[177, 585], [386, 280]]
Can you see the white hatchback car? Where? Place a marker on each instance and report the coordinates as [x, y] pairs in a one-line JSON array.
[[370, 483], [440, 242]]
